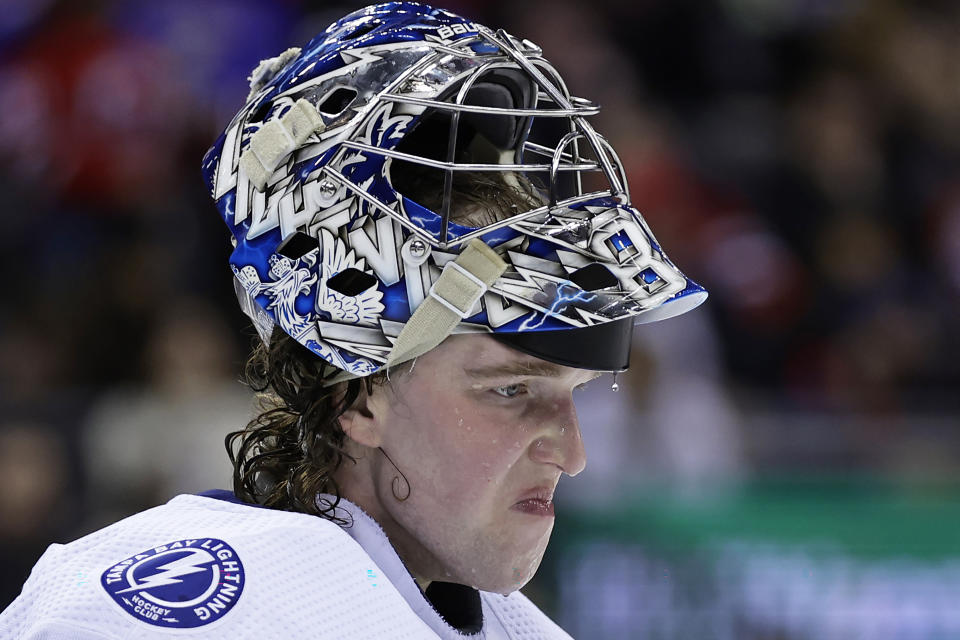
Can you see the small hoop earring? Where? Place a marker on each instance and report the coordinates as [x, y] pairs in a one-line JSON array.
[[396, 480]]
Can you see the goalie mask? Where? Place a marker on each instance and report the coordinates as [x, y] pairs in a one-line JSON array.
[[314, 178]]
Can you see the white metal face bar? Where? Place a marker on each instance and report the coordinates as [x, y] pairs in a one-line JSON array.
[[463, 166], [501, 111], [501, 39]]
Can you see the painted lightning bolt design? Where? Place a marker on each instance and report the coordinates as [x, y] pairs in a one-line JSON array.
[[170, 572], [575, 295]]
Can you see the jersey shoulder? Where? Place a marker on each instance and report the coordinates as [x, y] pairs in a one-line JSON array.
[[201, 563]]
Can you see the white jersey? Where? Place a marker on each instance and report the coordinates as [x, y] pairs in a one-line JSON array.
[[204, 567]]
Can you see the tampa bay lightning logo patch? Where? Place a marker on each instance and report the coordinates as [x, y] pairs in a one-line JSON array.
[[182, 584]]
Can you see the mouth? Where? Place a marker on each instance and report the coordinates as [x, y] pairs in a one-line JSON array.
[[535, 507], [537, 501]]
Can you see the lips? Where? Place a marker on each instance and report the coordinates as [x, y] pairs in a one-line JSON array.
[[543, 493], [535, 507], [536, 501]]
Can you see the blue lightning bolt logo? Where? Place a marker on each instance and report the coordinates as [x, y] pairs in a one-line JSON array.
[[566, 293], [182, 584], [171, 572]]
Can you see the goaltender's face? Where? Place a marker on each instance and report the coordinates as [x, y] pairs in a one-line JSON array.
[[478, 430]]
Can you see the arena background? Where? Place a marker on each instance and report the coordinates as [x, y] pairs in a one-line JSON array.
[[781, 463]]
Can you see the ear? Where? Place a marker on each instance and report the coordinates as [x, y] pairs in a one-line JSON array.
[[363, 421]]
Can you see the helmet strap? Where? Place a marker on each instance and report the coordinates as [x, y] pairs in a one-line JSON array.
[[451, 299], [273, 143]]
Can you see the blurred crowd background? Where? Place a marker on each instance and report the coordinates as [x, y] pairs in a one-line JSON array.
[[783, 462]]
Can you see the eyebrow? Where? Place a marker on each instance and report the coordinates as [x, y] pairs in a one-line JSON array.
[[519, 368], [522, 368]]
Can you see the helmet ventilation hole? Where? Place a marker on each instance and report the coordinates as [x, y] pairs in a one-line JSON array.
[[351, 282], [362, 30], [337, 101], [593, 277], [297, 245]]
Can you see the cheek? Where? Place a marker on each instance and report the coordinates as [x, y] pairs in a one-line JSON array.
[[462, 449]]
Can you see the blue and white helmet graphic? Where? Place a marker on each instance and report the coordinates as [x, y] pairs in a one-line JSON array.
[[330, 246]]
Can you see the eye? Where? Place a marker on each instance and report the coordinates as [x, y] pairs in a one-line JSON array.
[[511, 390]]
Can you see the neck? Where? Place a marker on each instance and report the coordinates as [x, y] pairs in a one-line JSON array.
[[356, 485]]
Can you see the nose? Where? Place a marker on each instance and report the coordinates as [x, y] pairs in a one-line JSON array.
[[561, 442]]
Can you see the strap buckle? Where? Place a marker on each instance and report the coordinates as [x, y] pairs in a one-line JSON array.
[[479, 288]]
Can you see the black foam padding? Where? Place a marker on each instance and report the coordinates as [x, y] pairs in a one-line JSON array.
[[501, 88], [505, 89]]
